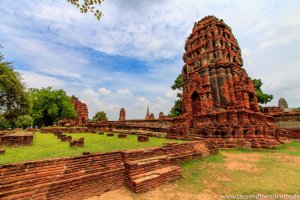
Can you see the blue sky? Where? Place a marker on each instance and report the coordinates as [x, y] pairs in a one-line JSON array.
[[132, 56]]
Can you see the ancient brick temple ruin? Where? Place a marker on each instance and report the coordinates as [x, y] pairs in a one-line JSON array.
[[122, 116], [219, 101], [286, 118], [149, 116], [82, 117], [82, 111], [282, 104]]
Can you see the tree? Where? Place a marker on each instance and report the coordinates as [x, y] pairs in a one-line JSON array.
[[3, 123], [24, 121], [50, 105], [88, 6], [100, 116], [14, 101], [295, 109], [176, 110], [263, 98]]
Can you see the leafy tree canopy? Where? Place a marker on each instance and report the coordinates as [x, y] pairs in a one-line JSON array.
[[263, 98], [100, 116], [14, 101], [88, 6], [295, 109], [177, 83], [3, 123], [176, 110], [50, 105], [24, 121]]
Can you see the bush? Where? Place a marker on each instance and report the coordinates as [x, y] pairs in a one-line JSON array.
[[4, 124], [100, 116], [24, 121]]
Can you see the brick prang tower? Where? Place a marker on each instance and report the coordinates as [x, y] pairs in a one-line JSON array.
[[219, 101]]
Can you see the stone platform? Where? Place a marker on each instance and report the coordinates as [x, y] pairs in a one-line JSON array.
[[16, 138]]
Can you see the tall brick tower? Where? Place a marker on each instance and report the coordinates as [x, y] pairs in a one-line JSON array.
[[218, 96], [122, 116], [213, 77]]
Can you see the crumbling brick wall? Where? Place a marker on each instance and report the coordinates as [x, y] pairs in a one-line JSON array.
[[84, 176]]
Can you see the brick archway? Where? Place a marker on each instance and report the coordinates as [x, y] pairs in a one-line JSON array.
[[196, 102]]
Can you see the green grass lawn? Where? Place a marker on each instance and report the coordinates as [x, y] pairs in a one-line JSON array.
[[48, 146], [240, 172], [230, 172]]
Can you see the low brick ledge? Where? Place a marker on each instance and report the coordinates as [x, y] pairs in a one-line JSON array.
[[79, 177]]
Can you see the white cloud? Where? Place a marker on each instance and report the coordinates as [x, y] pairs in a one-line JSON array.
[[172, 94], [141, 102], [95, 103], [124, 91], [45, 39], [104, 91], [36, 80]]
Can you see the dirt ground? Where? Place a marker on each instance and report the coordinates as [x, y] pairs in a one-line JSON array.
[[233, 162], [165, 192]]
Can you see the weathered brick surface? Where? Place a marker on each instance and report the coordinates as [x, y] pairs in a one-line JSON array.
[[66, 139], [294, 134], [150, 168], [140, 131], [66, 178], [90, 175], [150, 180], [288, 120], [16, 139], [2, 151], [82, 114], [154, 125], [142, 138], [122, 136], [77, 143], [219, 98], [122, 116]]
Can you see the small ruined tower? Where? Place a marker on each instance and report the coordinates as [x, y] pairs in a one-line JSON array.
[[122, 116], [149, 116], [283, 105], [81, 110], [161, 116], [147, 113]]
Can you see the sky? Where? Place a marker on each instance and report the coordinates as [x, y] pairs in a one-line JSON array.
[[131, 57]]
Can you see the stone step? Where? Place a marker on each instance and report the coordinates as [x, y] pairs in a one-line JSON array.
[[153, 179], [136, 167], [149, 153], [186, 155]]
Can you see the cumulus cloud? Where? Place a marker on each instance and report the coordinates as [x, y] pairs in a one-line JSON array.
[[104, 91], [54, 44], [124, 91], [35, 80], [95, 103]]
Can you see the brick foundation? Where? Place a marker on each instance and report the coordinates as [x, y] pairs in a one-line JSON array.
[[91, 175], [294, 134], [16, 139]]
